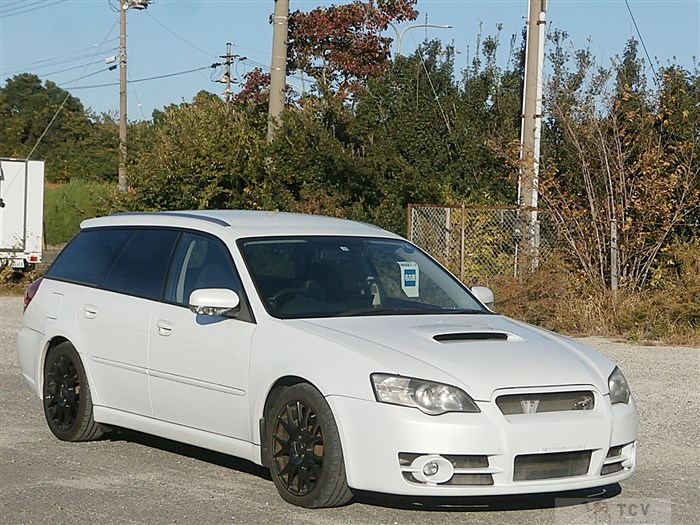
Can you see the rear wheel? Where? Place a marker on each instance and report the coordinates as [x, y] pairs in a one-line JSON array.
[[67, 401], [305, 455]]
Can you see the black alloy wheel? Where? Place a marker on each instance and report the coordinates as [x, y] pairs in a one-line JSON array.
[[298, 450], [305, 456], [67, 400]]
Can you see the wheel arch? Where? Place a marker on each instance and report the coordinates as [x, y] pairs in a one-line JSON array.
[[50, 344], [271, 397]]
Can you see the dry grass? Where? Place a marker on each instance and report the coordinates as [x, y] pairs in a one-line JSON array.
[[559, 298], [15, 283]]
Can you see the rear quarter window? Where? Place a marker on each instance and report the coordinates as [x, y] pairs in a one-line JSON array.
[[90, 256]]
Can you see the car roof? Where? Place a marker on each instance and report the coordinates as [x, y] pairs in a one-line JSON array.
[[242, 223]]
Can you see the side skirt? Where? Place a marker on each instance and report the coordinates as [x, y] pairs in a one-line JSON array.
[[191, 436]]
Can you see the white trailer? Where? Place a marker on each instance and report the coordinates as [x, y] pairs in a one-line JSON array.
[[21, 212]]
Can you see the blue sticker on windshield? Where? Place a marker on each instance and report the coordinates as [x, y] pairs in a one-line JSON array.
[[410, 276]]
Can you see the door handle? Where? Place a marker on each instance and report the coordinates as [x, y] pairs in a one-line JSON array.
[[165, 328], [90, 311]]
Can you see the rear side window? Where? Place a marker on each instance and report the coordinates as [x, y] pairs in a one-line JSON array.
[[129, 260], [141, 267], [90, 255]]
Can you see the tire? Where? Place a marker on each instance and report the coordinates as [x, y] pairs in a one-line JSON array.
[[304, 451], [67, 400]]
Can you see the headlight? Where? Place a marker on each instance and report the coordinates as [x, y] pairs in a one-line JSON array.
[[431, 398], [619, 389]]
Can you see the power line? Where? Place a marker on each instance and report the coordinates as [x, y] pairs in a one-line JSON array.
[[641, 39], [53, 61], [73, 68], [53, 64], [48, 126], [178, 36], [28, 8], [169, 75], [110, 68], [24, 5]]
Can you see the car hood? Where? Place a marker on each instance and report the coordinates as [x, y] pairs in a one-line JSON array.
[[480, 353]]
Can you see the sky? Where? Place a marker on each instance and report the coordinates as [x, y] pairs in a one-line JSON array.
[[172, 44]]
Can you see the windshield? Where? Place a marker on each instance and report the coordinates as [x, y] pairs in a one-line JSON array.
[[306, 277]]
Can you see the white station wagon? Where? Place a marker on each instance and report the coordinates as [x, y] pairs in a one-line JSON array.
[[335, 353]]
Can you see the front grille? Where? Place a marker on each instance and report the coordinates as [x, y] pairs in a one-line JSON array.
[[468, 462], [471, 479], [531, 467], [545, 402]]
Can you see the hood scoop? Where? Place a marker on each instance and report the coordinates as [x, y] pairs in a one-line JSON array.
[[470, 336]]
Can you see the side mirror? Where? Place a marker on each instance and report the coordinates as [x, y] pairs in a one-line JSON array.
[[484, 294], [214, 301]]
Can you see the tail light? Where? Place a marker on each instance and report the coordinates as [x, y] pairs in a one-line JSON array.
[[31, 292]]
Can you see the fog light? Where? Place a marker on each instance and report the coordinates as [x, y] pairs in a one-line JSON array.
[[430, 468]]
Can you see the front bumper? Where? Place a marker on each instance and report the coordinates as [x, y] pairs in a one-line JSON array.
[[385, 448]]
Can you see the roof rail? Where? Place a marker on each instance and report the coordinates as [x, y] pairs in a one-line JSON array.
[[207, 218]]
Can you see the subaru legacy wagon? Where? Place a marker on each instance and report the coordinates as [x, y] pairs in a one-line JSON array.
[[336, 354]]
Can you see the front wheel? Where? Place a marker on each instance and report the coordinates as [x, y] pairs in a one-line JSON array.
[[67, 401], [305, 455]]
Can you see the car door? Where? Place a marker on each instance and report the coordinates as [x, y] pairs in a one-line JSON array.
[[113, 319], [199, 364]]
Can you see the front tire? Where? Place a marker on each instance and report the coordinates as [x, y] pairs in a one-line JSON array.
[[304, 450], [67, 400]]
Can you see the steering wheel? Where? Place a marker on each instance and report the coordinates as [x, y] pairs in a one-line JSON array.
[[279, 298]]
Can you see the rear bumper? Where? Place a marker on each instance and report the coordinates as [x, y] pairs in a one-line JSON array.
[[29, 344], [374, 435]]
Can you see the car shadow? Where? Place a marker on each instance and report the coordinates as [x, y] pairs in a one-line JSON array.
[[201, 454], [428, 504]]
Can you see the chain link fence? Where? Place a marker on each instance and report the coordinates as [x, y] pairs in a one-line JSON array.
[[479, 242]]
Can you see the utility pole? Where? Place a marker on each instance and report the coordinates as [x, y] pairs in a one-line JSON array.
[[123, 6], [226, 78], [531, 132], [278, 69]]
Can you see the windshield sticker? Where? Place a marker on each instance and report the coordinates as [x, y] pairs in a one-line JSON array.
[[409, 278]]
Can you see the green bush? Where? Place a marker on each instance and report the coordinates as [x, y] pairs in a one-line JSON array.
[[67, 205]]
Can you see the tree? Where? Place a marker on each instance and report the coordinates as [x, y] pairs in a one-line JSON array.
[[201, 155], [77, 144], [342, 46], [624, 169]]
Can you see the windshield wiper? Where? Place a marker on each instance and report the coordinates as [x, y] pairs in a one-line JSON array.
[[406, 311], [378, 311], [464, 311], [399, 311]]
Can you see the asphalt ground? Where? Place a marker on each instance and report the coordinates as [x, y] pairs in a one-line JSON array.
[[130, 478]]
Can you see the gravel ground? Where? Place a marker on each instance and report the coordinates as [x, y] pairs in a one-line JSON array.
[[131, 478]]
